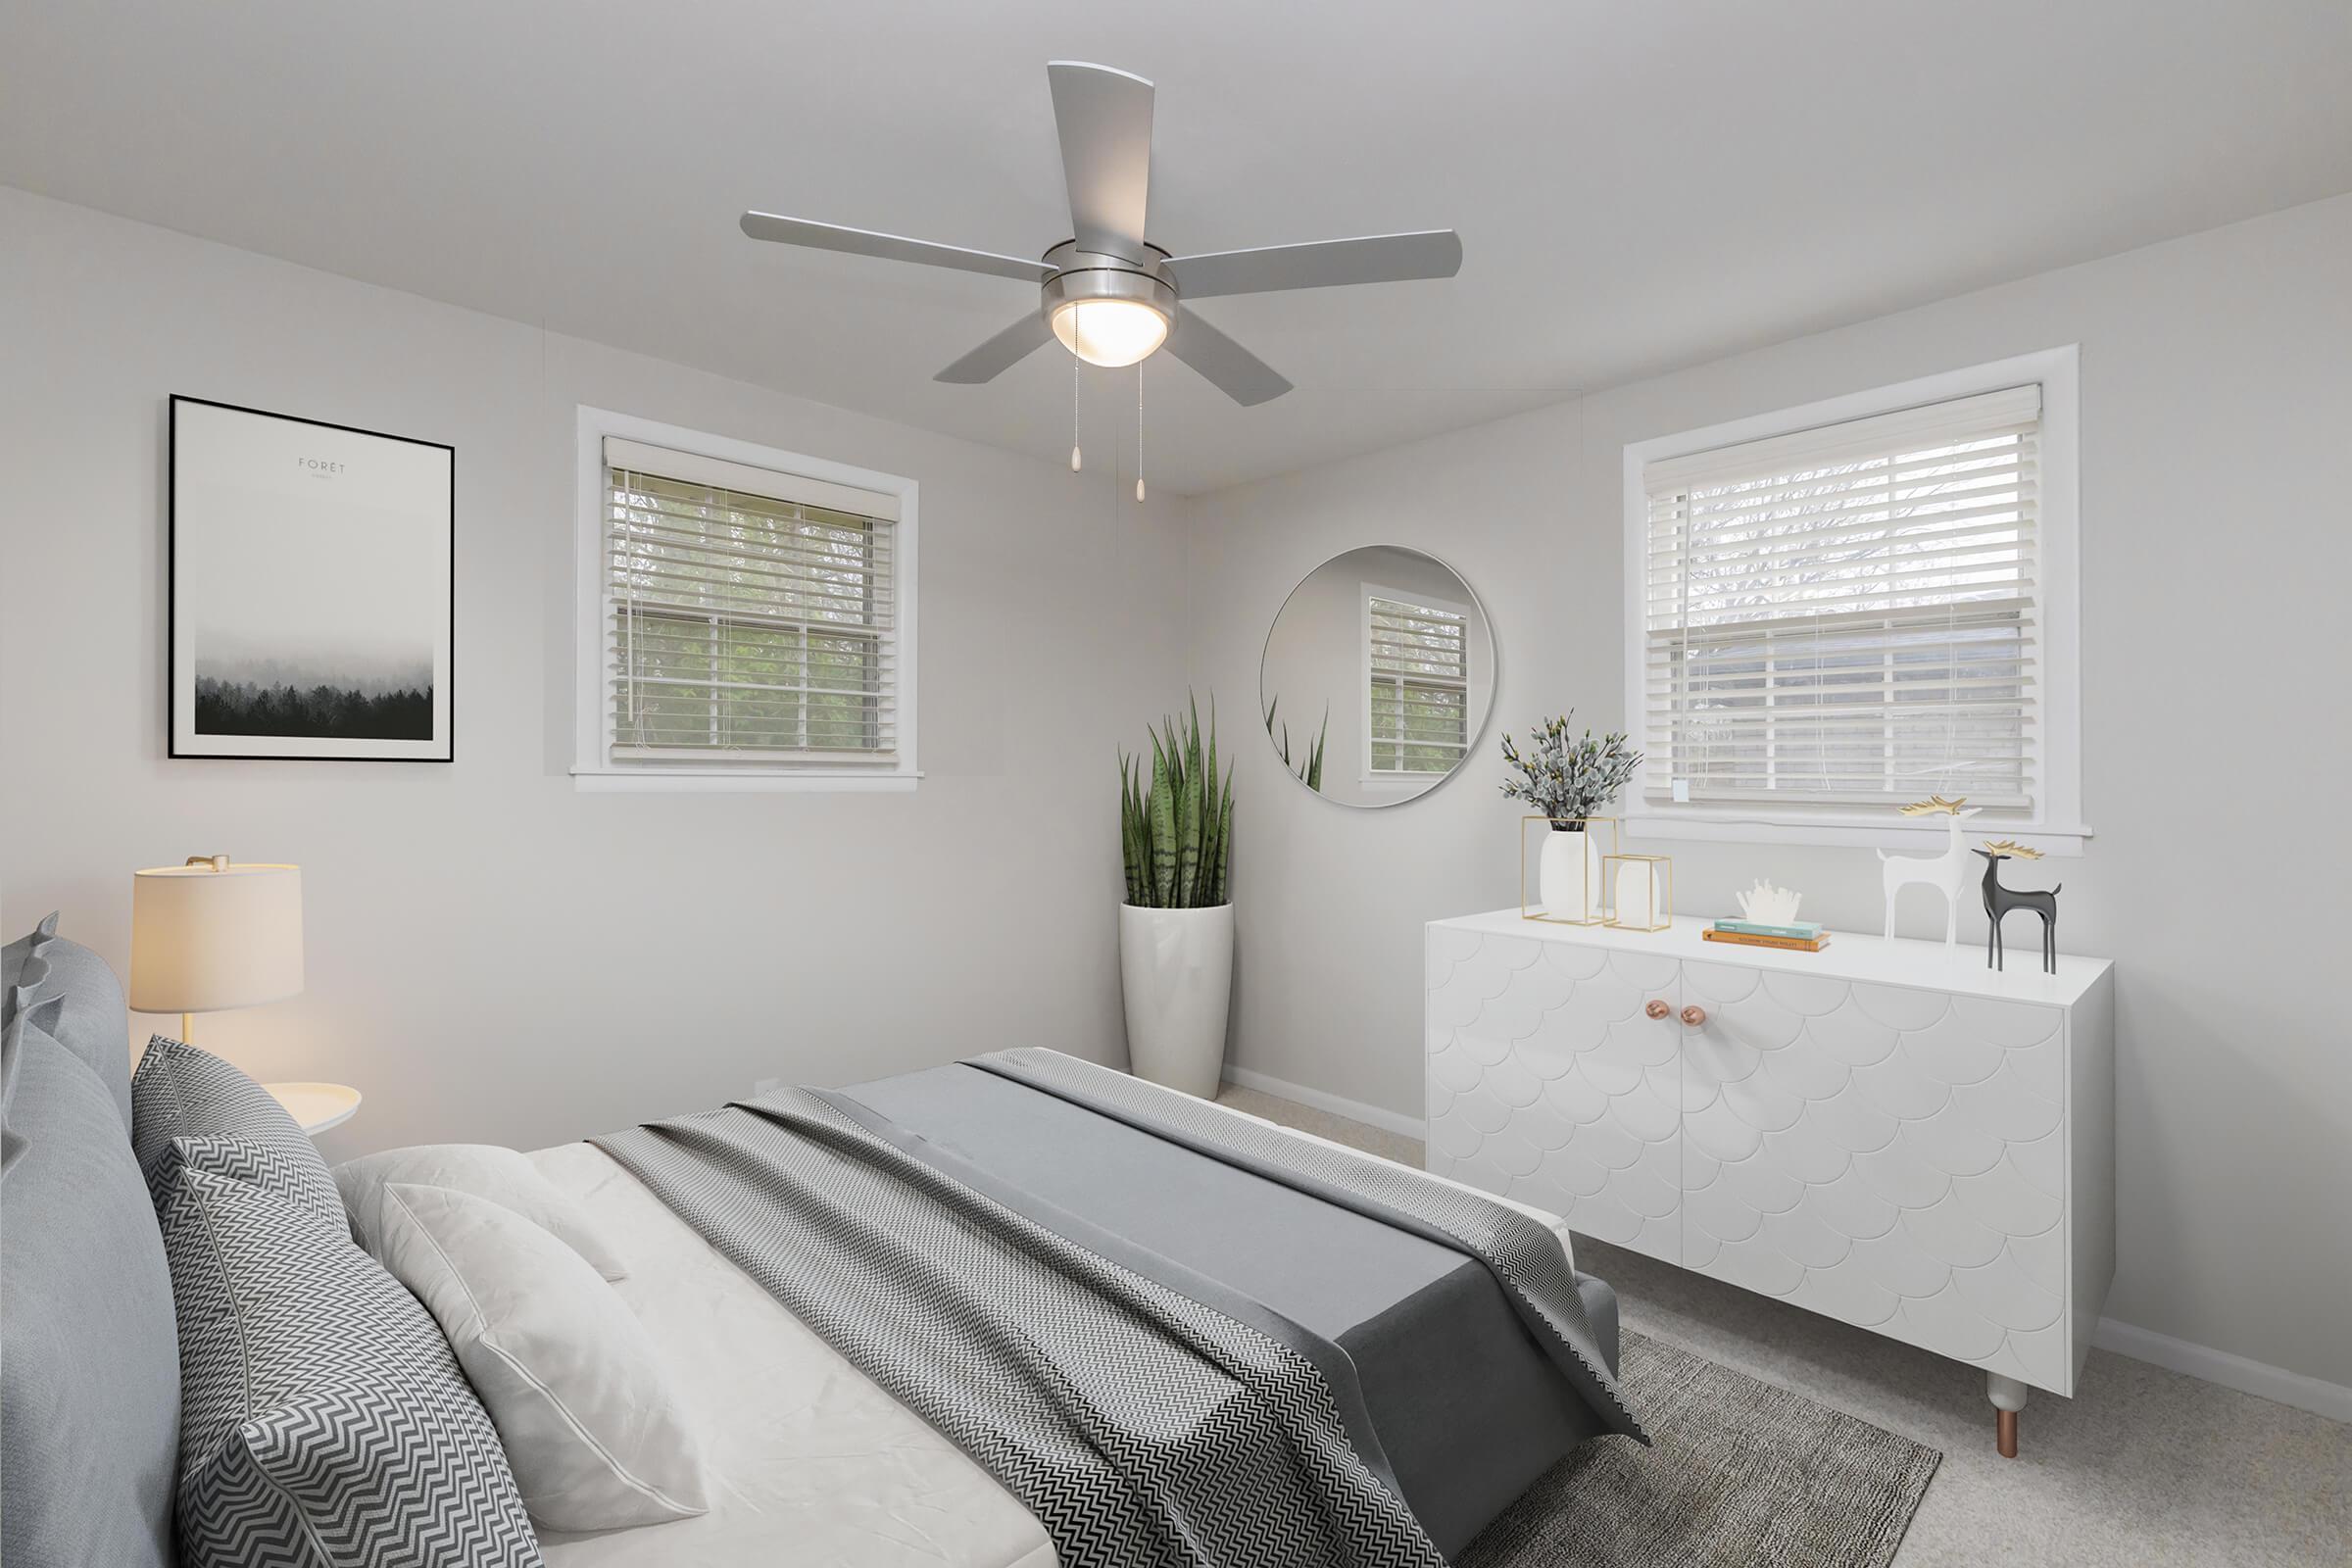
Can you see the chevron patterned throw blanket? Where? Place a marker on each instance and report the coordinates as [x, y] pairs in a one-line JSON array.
[[1144, 1419]]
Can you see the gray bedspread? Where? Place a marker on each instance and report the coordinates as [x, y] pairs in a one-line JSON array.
[[1142, 1425], [1524, 1256], [1174, 1341], [1465, 1403]]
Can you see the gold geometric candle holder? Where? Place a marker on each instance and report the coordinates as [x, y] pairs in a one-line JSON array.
[[1653, 878]]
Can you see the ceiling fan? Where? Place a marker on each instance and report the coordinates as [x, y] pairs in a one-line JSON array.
[[1108, 293]]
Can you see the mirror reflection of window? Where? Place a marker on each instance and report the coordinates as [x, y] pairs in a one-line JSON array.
[[1376, 678], [1417, 653]]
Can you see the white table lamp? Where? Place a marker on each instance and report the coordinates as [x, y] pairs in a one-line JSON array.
[[214, 934]]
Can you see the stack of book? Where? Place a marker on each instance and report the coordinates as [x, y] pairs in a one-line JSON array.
[[1802, 936]]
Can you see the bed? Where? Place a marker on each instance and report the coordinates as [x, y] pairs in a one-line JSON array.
[[810, 1459], [821, 1459]]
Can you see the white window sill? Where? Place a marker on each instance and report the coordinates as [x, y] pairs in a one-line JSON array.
[[1853, 832], [815, 781]]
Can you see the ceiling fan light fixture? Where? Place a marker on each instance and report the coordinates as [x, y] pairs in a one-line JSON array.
[[1110, 332], [1109, 294]]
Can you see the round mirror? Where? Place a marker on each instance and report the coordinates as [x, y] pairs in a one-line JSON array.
[[1376, 677]]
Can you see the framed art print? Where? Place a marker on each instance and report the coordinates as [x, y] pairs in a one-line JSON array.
[[312, 588]]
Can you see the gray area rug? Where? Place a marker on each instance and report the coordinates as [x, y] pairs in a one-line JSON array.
[[1744, 1475]]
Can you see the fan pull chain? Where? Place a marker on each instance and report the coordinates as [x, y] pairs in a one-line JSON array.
[[1073, 413], [1139, 429]]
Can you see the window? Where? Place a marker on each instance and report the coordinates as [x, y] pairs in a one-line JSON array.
[[1844, 615], [747, 615], [1417, 680]]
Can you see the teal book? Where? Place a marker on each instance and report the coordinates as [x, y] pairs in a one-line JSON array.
[[1801, 930]]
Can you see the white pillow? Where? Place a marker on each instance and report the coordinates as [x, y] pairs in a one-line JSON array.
[[485, 1170], [570, 1378]]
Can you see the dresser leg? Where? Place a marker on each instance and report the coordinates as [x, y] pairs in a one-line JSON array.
[[2008, 1396]]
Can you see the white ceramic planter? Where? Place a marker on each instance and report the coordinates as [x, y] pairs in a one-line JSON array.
[[1176, 972], [1568, 876]]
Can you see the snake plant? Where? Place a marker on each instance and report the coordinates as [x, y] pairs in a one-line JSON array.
[[1308, 770], [1176, 819]]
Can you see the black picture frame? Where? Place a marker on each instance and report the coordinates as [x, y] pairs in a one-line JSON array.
[[183, 714]]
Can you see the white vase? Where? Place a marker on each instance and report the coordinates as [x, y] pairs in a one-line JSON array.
[[1637, 895], [1176, 976], [1568, 876]]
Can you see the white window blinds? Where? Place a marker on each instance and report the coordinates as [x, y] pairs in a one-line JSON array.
[[751, 616], [1418, 659], [1849, 615]]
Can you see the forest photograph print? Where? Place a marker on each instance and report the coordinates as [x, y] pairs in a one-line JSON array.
[[311, 578]]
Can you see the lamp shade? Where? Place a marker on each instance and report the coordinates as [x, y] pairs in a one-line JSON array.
[[210, 936]]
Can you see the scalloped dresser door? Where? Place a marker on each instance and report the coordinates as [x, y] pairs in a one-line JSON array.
[[1887, 1156], [1550, 1084]]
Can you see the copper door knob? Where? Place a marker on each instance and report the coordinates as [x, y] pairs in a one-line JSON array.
[[1657, 1009], [1695, 1015]]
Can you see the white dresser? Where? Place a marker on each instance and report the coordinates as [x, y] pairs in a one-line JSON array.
[[1884, 1132]]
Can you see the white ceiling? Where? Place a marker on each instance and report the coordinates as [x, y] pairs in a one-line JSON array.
[[1638, 186]]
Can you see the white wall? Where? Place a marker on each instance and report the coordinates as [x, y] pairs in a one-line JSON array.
[[2216, 457], [492, 956]]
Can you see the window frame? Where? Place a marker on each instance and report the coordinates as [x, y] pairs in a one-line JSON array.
[[1401, 778], [593, 768], [2057, 825]]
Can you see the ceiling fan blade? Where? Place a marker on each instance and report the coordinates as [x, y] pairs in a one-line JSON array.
[[1224, 363], [1000, 352], [1319, 263], [1104, 120], [891, 247]]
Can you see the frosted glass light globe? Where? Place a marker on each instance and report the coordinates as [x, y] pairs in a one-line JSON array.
[[1109, 332]]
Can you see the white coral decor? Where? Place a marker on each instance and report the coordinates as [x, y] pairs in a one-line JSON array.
[[1766, 905]]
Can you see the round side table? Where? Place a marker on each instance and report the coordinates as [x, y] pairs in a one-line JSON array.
[[316, 1107]]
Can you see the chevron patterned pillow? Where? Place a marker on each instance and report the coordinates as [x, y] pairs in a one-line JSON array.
[[323, 1420], [181, 1092], [266, 1167]]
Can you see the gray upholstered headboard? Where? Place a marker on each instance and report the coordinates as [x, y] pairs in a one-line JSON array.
[[89, 1353]]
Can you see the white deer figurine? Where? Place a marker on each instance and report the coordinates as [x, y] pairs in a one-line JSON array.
[[1947, 873]]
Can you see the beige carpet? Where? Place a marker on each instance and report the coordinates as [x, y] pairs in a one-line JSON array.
[[2144, 1468]]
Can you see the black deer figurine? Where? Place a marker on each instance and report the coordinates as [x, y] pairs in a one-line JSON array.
[[2001, 900]]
